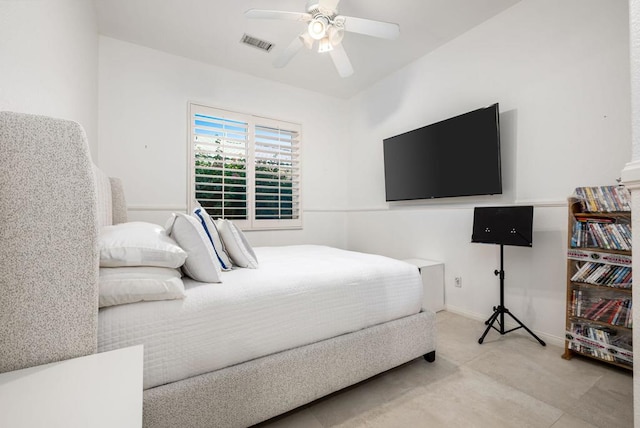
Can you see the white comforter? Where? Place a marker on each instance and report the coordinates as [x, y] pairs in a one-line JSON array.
[[299, 295]]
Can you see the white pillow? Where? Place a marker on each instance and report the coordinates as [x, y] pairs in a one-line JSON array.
[[212, 232], [202, 263], [237, 245], [121, 285], [138, 244]]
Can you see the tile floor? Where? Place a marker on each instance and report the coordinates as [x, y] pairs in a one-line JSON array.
[[509, 381]]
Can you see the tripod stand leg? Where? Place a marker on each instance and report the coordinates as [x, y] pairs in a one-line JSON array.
[[489, 324], [526, 328], [490, 319]]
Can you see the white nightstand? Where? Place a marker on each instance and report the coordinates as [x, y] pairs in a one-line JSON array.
[[433, 282], [100, 390]]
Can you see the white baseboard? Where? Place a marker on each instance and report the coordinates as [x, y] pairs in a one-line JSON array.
[[548, 338]]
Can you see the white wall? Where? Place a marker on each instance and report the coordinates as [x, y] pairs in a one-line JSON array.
[[560, 71], [49, 60], [143, 135]]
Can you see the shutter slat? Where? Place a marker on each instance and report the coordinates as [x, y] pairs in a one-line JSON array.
[[268, 180], [263, 145], [217, 197]]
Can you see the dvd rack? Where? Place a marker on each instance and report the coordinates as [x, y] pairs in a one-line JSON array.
[[599, 276]]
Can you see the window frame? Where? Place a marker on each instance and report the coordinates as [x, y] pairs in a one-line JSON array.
[[252, 121]]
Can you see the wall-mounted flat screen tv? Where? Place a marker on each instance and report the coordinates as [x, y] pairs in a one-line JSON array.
[[459, 156]]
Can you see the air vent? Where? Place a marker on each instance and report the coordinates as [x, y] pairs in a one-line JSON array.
[[256, 43]]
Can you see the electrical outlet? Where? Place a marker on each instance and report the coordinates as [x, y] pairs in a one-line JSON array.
[[458, 281]]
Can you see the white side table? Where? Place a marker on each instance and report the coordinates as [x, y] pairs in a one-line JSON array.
[[99, 390], [433, 282]]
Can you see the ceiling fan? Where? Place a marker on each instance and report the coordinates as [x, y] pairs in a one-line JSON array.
[[327, 27]]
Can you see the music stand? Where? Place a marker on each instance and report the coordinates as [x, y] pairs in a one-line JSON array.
[[503, 226]]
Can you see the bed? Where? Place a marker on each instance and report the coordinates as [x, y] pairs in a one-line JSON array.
[[311, 320]]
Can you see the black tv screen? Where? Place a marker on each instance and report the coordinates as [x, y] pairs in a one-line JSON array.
[[459, 156]]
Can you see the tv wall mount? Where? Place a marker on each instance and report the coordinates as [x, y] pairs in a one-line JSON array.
[[511, 225]]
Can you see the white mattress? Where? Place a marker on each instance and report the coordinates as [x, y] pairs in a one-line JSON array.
[[299, 295]]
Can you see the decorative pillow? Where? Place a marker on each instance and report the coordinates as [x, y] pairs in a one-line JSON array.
[[237, 245], [104, 197], [121, 285], [202, 263], [212, 232], [138, 244]]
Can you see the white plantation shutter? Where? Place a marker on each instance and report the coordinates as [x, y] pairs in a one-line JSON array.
[[245, 168], [220, 148], [277, 172]]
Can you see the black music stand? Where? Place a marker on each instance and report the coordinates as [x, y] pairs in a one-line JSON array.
[[503, 226]]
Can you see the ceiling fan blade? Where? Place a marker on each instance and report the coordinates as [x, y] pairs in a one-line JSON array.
[[341, 61], [328, 4], [291, 50], [384, 30], [277, 14]]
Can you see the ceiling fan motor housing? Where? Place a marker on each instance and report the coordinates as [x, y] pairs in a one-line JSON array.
[[323, 19], [316, 10]]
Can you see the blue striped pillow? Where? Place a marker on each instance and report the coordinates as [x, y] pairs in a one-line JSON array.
[[211, 231]]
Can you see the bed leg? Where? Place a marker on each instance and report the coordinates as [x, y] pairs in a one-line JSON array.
[[430, 357]]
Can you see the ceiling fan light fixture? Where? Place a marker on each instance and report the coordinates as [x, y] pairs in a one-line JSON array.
[[318, 27], [335, 35], [307, 41], [325, 45]]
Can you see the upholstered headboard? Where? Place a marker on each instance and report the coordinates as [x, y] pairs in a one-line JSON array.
[[48, 240]]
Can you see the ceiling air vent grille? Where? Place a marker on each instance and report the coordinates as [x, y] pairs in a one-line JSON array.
[[256, 43]]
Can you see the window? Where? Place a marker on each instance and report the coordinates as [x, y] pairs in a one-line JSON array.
[[245, 168]]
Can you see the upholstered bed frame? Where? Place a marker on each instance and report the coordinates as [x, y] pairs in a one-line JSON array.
[[51, 203]]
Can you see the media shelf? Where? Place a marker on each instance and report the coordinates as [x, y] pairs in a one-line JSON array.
[[599, 308]]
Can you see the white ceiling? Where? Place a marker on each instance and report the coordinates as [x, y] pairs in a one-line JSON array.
[[210, 30]]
